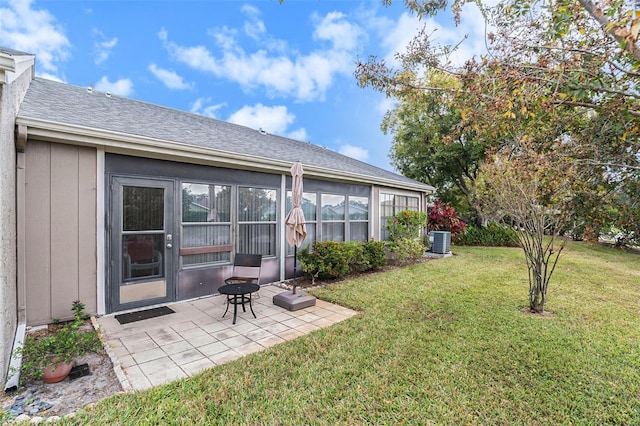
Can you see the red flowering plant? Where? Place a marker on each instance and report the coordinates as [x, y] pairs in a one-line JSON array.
[[445, 218], [404, 235], [406, 225]]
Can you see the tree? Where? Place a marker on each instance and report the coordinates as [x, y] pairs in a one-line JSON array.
[[531, 192], [421, 124], [543, 54], [557, 88]]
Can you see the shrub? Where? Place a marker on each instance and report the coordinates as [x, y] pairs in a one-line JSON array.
[[354, 252], [445, 218], [374, 253], [406, 225], [331, 259], [326, 260], [404, 234], [493, 235], [408, 250], [64, 344]]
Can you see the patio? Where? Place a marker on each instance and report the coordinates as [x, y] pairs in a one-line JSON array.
[[159, 350]]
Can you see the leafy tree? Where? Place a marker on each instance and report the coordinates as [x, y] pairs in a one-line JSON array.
[[421, 124], [572, 55], [557, 87]]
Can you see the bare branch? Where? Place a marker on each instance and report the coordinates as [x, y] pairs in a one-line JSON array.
[[619, 33]]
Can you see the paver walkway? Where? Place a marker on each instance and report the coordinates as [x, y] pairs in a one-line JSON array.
[[158, 350]]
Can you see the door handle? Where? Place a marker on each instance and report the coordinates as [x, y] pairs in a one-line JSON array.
[[169, 245]]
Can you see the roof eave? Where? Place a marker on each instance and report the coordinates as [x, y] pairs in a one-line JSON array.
[[7, 64], [129, 144]]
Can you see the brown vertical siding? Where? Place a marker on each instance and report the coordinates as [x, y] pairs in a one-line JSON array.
[[38, 232], [60, 230], [64, 228], [87, 244]]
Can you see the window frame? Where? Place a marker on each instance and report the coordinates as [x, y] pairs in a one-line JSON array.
[[395, 209], [324, 221], [185, 251], [238, 224], [358, 221]]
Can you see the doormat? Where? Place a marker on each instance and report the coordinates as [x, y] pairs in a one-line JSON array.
[[142, 315]]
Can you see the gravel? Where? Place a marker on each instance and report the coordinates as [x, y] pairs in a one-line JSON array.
[[39, 401]]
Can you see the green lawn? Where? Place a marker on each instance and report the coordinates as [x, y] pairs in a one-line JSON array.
[[443, 342]]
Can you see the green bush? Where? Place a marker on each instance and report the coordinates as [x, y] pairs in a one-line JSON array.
[[326, 260], [407, 250], [354, 253], [331, 259], [375, 255], [493, 235], [406, 224]]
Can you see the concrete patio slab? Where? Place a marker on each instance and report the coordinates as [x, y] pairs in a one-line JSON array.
[[196, 337]]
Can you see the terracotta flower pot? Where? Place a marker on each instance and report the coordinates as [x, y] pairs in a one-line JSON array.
[[56, 374]]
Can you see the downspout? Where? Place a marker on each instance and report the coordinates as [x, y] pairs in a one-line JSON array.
[[13, 376]]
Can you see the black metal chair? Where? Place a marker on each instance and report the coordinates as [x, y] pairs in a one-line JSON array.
[[243, 282], [246, 269]]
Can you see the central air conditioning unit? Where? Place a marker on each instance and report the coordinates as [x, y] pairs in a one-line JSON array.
[[441, 242]]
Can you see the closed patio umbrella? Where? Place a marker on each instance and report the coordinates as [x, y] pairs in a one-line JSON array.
[[296, 229], [296, 232]]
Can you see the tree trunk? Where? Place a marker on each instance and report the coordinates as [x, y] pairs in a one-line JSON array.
[[536, 301], [537, 287]]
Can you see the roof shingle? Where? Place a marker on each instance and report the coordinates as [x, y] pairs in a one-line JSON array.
[[73, 105]]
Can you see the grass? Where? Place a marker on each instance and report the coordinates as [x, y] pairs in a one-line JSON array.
[[443, 342]]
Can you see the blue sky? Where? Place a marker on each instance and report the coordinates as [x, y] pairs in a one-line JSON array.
[[286, 68]]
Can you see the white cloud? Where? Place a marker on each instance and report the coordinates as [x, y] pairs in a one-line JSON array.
[[299, 134], [396, 35], [386, 104], [225, 37], [354, 152], [306, 77], [335, 28], [103, 48], [169, 78], [34, 31], [122, 87], [273, 119], [200, 107], [48, 76], [254, 27]]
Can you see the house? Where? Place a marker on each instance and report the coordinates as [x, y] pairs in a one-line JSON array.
[[124, 204]]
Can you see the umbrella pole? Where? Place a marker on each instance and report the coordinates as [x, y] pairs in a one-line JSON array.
[[295, 261]]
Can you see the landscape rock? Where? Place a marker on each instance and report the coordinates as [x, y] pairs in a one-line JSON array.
[[37, 402]]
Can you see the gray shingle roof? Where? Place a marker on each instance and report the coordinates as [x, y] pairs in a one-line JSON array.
[[11, 52], [73, 105]]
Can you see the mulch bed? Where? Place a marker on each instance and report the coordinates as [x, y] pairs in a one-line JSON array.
[[305, 282]]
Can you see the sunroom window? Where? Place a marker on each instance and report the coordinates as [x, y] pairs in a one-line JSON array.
[[358, 218], [333, 217], [257, 221], [390, 205], [206, 224]]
